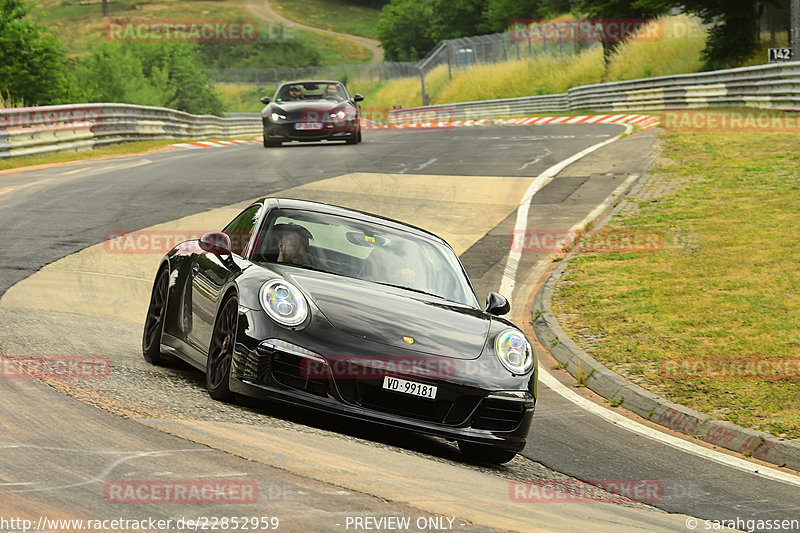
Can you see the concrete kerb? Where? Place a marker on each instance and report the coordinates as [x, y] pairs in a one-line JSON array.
[[614, 388]]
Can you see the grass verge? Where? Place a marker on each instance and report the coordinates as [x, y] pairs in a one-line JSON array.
[[677, 52], [338, 15], [80, 24], [710, 321]]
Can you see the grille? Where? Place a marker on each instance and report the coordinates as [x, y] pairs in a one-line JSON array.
[[287, 369], [374, 397], [498, 415]]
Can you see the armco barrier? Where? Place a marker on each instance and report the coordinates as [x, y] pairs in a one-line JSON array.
[[69, 128], [41, 130], [767, 86]]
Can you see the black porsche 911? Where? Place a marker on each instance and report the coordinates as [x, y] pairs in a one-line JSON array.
[[350, 313], [310, 111]]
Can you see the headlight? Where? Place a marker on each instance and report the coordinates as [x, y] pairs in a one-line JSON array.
[[340, 114], [284, 302], [275, 117], [514, 351]]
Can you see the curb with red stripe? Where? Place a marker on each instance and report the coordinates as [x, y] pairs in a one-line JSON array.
[[645, 122], [212, 144]]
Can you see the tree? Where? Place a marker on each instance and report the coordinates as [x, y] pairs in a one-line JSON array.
[[455, 18], [179, 64], [403, 29], [620, 9], [498, 14], [159, 74], [33, 62]]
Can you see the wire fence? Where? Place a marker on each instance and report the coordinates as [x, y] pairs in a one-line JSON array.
[[457, 54]]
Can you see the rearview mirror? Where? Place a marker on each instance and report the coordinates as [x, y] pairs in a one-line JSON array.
[[265, 99], [497, 304], [358, 97], [216, 243]]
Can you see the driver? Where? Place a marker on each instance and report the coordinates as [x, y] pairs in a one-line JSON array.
[[293, 245], [332, 91], [295, 93]]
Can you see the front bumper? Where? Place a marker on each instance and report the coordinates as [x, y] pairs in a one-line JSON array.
[[463, 410], [331, 131]]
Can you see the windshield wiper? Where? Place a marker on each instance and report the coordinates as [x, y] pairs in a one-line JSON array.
[[411, 289]]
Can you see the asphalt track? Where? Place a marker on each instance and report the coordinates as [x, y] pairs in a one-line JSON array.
[[48, 213]]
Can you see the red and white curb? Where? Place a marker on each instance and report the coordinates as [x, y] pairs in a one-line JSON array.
[[212, 144], [645, 122]]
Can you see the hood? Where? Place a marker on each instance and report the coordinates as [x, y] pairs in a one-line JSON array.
[[298, 106], [386, 315]]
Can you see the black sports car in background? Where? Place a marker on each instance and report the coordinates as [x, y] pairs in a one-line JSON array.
[[309, 111], [346, 312]]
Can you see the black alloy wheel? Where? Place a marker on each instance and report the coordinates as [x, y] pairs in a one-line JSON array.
[[218, 366], [154, 323]]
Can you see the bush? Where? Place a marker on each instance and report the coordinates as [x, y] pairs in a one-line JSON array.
[[271, 49], [159, 74], [33, 65]]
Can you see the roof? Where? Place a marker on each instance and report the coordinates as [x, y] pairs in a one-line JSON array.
[[292, 203]]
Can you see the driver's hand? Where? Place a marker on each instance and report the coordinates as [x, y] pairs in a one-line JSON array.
[[407, 275]]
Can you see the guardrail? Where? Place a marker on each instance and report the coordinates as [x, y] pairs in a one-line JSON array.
[[767, 86], [40, 130], [69, 128]]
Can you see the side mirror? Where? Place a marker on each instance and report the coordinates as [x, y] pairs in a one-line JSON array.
[[265, 99], [358, 97], [216, 243], [497, 304]]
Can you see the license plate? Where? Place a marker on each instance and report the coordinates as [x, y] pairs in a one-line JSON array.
[[308, 126], [409, 387]]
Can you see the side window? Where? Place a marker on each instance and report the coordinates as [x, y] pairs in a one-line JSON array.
[[241, 228]]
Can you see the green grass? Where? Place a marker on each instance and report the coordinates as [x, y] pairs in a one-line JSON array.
[[547, 74], [337, 15], [678, 52], [243, 98], [334, 50], [725, 287], [80, 26]]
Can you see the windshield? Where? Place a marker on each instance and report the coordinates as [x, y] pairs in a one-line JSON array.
[[370, 252], [311, 90]]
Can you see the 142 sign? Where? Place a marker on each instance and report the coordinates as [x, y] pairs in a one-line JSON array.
[[780, 55]]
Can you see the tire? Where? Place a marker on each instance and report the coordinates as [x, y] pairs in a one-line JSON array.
[[359, 135], [154, 322], [352, 139], [218, 366], [483, 453], [270, 144]]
